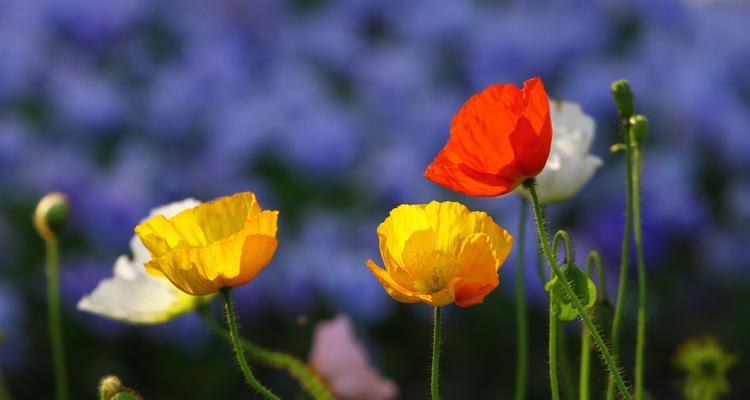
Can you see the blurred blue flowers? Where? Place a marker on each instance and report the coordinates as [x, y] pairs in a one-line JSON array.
[[132, 104]]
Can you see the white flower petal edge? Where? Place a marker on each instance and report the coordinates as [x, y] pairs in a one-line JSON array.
[[570, 165], [132, 295]]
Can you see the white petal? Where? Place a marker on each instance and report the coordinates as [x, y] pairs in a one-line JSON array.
[[132, 295], [569, 165], [135, 299]]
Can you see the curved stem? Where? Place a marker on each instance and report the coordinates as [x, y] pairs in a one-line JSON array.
[[626, 237], [553, 385], [568, 246], [595, 260], [55, 324], [562, 349], [235, 338], [307, 378], [640, 343], [588, 323], [436, 336], [521, 322]]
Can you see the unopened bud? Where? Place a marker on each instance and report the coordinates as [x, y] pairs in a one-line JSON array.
[[638, 128], [111, 388], [623, 98], [51, 215]]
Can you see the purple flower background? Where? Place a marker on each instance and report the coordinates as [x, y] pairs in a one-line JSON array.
[[330, 110]]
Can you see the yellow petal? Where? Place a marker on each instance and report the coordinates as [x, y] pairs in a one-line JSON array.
[[478, 273], [392, 287], [226, 242]]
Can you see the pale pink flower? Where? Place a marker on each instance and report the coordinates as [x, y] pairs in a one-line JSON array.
[[341, 360]]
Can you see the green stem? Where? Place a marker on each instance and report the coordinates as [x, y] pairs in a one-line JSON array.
[[521, 324], [308, 379], [540, 268], [593, 259], [626, 237], [584, 376], [436, 336], [588, 323], [553, 385], [562, 349], [237, 345], [55, 324], [567, 380], [638, 233]]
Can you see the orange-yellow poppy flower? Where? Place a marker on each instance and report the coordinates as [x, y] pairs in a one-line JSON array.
[[498, 139], [226, 242], [440, 253]]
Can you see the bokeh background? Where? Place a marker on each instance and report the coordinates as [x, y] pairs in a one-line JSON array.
[[330, 111]]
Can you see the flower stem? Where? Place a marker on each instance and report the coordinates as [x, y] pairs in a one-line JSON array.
[[588, 323], [640, 343], [584, 376], [521, 319], [436, 336], [237, 345], [55, 324], [567, 381], [626, 238], [308, 379], [553, 385]]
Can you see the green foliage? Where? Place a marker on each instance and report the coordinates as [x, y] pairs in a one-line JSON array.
[[583, 287]]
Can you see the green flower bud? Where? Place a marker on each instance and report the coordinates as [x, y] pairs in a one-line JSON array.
[[623, 98], [638, 128], [51, 215], [111, 388]]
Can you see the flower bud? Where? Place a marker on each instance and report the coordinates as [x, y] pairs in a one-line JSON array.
[[638, 128], [51, 215], [623, 98], [111, 388]]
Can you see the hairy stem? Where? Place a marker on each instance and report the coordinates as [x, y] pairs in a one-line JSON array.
[[436, 336], [553, 385], [237, 345], [588, 323], [307, 378]]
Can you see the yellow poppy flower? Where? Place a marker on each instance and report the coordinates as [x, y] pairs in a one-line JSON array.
[[226, 242], [440, 253]]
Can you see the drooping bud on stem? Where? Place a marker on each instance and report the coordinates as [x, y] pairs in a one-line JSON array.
[[638, 128], [51, 215], [623, 98]]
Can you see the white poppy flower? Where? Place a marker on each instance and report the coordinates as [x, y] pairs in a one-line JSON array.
[[135, 297], [570, 165]]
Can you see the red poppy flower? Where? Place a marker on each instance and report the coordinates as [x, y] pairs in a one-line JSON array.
[[499, 138]]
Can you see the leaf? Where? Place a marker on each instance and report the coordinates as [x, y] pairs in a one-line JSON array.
[[583, 287]]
